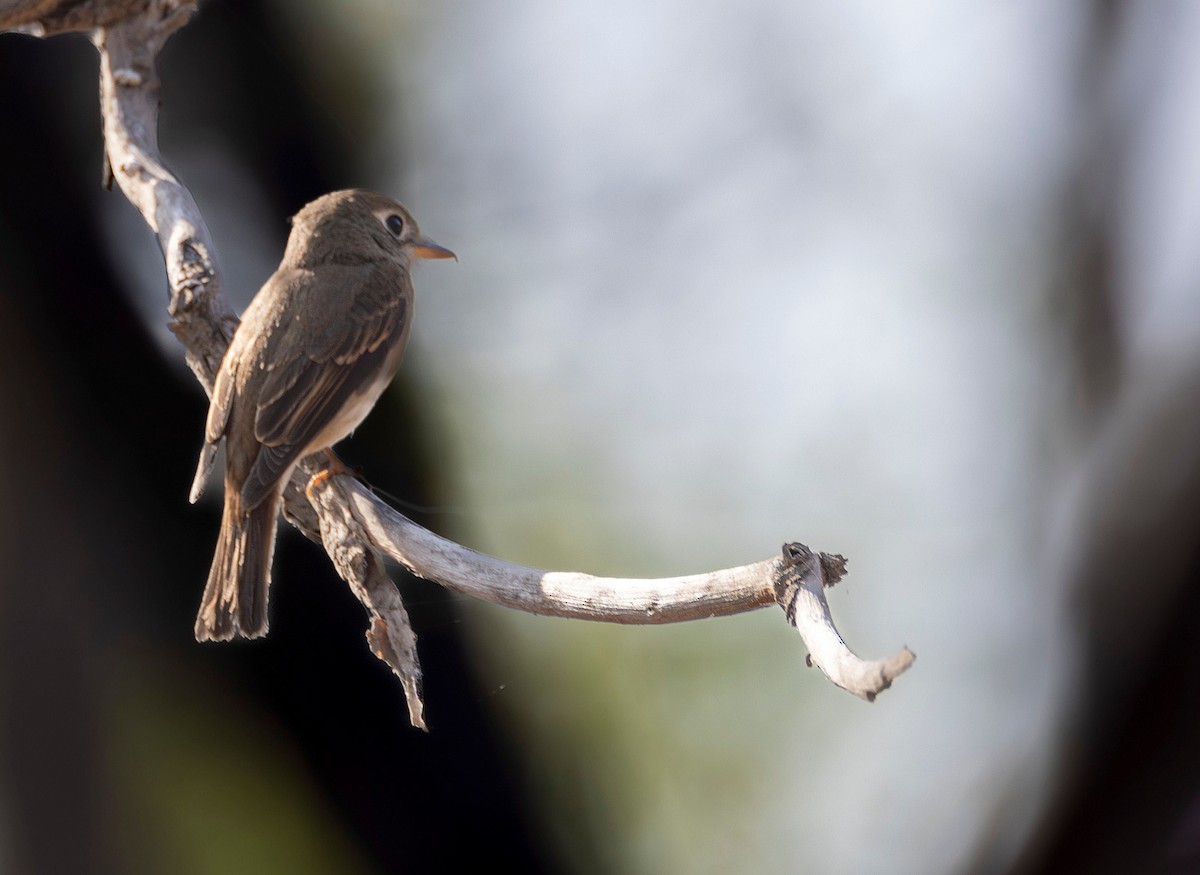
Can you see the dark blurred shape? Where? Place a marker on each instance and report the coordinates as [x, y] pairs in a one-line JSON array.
[[1130, 773], [1128, 781]]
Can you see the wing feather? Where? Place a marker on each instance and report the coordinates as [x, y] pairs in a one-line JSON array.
[[301, 397]]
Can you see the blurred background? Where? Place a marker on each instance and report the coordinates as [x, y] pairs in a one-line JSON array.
[[916, 286]]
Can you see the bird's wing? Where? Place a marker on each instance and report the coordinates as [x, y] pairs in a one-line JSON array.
[[342, 356]]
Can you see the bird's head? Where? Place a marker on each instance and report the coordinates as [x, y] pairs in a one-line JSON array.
[[354, 226]]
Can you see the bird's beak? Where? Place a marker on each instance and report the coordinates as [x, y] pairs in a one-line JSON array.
[[429, 249]]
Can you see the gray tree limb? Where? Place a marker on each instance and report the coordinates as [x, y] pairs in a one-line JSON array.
[[356, 528]]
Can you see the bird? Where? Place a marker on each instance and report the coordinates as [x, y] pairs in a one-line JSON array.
[[315, 349]]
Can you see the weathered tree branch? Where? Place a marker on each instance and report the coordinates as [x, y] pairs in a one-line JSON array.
[[355, 527], [796, 581], [800, 591], [550, 593]]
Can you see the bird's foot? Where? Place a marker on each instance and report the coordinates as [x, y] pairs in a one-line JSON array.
[[334, 468]]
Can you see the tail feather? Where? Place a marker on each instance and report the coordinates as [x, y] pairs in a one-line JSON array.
[[235, 598]]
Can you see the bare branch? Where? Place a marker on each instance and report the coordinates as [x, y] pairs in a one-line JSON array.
[[551, 593], [796, 581], [355, 527], [800, 590], [129, 96], [390, 636]]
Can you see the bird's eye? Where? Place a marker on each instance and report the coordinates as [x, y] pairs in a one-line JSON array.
[[395, 224]]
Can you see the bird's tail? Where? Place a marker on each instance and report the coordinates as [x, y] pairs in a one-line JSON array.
[[235, 599]]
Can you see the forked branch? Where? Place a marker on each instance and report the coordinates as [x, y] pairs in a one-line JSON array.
[[355, 527]]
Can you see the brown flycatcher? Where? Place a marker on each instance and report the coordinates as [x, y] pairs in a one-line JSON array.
[[315, 349]]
